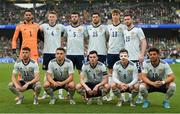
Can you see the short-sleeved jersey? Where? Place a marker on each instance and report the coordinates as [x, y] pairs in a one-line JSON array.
[[52, 37], [94, 75], [75, 39], [29, 34], [60, 72], [157, 73], [116, 38], [97, 39], [27, 71], [132, 40], [125, 74]]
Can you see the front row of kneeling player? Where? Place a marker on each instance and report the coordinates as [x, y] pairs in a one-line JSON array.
[[156, 76]]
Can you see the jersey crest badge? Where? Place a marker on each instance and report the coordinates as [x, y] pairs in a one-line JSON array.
[[30, 69], [132, 34], [79, 30], [57, 29], [160, 72], [119, 29]]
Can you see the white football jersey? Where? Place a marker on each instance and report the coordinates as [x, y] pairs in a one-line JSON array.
[[132, 40], [26, 70], [157, 73], [60, 72], [52, 37], [75, 39], [94, 75], [97, 39], [116, 38], [125, 74]]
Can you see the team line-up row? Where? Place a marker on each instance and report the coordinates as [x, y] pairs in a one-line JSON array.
[[156, 76]]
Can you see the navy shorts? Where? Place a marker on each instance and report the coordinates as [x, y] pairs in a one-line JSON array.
[[58, 87], [23, 83], [111, 59], [138, 65], [162, 89], [46, 59], [128, 90], [91, 86], [101, 58], [77, 60]]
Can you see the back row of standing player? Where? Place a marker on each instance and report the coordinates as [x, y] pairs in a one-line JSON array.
[[102, 38], [107, 40]]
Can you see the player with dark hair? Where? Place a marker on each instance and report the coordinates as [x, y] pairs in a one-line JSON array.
[[125, 77], [75, 36], [28, 32], [93, 79], [60, 75], [29, 71], [135, 43], [98, 35], [157, 76]]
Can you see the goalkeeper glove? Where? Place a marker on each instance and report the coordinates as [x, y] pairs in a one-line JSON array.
[[14, 55]]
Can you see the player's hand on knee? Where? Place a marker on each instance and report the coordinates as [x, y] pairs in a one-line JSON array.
[[94, 92], [88, 89], [123, 87], [60, 84], [90, 92], [25, 87], [56, 84], [159, 83], [126, 86], [19, 88], [95, 89]]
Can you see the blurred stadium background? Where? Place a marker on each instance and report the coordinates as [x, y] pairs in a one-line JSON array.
[[160, 20]]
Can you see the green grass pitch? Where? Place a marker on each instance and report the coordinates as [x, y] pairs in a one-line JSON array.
[[7, 103]]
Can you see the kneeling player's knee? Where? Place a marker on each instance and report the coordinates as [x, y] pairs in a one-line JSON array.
[[10, 85], [116, 91], [105, 89], [71, 85], [113, 86], [46, 85], [78, 86], [81, 90], [142, 88], [38, 87], [107, 86], [172, 86], [136, 87]]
